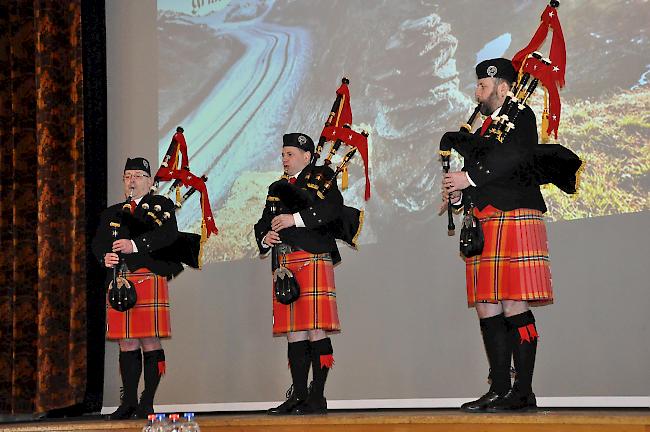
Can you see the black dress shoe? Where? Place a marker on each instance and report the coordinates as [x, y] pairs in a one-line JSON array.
[[286, 407], [311, 406], [481, 403], [123, 412], [514, 401], [143, 411]]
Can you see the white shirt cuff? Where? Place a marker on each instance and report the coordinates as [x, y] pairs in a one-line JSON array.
[[135, 248], [298, 220], [469, 179]]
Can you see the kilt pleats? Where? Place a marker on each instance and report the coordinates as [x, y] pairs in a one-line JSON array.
[[150, 315], [514, 264], [316, 307]]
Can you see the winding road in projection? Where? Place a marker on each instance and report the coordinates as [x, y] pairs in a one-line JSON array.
[[233, 128]]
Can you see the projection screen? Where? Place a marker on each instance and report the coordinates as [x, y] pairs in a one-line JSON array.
[[236, 75]]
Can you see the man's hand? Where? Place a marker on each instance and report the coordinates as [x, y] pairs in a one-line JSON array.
[[123, 245], [455, 196], [271, 238], [282, 221], [455, 181], [111, 259]]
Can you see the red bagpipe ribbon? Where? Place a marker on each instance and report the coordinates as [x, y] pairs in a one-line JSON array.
[[353, 139], [169, 171], [551, 76], [544, 72], [188, 179], [178, 145], [344, 114], [557, 55], [335, 131]]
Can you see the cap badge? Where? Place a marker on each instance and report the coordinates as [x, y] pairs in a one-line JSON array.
[[302, 140], [492, 71], [145, 163]]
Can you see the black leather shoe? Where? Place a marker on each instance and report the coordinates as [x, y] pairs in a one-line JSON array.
[[123, 412], [143, 411], [481, 403], [311, 406], [286, 407], [514, 401]]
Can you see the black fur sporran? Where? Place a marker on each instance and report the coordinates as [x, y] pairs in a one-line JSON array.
[[286, 287], [123, 297]]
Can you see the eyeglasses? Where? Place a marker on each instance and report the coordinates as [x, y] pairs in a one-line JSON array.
[[128, 177]]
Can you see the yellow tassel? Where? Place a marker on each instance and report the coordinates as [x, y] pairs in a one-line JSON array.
[[204, 231], [344, 178], [174, 160], [204, 234], [545, 136], [178, 196]]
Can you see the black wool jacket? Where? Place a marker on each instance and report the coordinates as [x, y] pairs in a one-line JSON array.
[[153, 229], [318, 215]]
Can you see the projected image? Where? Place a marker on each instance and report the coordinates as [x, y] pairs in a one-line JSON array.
[[237, 75]]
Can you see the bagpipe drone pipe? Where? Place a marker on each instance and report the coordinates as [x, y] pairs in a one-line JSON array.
[[187, 248]]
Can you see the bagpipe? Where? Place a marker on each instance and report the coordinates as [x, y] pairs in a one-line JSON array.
[[338, 130], [188, 247], [121, 291], [321, 178], [319, 183], [549, 163]]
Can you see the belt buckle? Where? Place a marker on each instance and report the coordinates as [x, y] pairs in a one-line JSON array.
[[284, 249]]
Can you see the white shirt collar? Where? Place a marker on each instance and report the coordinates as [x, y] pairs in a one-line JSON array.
[[297, 174]]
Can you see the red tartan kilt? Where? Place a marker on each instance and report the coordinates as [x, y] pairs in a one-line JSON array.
[[316, 306], [150, 315], [514, 264]]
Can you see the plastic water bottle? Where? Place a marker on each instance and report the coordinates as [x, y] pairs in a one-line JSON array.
[[160, 423], [151, 419], [190, 425], [174, 423]]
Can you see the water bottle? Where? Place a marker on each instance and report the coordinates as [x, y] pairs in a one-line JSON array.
[[190, 425], [159, 424], [151, 419], [174, 425]]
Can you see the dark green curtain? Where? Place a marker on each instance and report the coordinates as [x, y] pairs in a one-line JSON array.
[[42, 207]]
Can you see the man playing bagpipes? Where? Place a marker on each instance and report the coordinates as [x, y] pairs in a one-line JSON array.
[[144, 226], [303, 218], [500, 182], [513, 268], [140, 240]]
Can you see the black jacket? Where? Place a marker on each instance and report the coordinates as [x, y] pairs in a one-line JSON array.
[[503, 171], [318, 235], [152, 235]]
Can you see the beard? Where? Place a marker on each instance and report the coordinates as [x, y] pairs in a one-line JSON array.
[[490, 104]]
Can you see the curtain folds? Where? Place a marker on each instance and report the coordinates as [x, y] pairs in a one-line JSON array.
[[42, 213]]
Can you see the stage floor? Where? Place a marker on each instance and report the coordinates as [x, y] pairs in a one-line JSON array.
[[558, 420]]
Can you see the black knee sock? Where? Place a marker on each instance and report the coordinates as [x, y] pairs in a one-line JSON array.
[[499, 351], [298, 353], [523, 337], [154, 368], [130, 370], [322, 361]]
